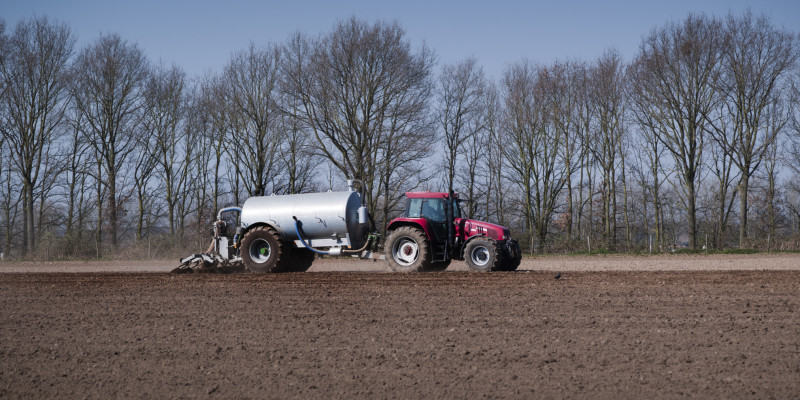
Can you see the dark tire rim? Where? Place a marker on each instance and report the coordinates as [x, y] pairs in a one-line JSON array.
[[480, 256]]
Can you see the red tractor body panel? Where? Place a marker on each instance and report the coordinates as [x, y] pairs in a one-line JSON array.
[[467, 228], [429, 195]]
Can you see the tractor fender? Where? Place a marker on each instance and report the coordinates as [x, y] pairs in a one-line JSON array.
[[416, 222]]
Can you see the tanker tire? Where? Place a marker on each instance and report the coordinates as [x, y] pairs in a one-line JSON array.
[[261, 250], [300, 260], [407, 250], [482, 254], [511, 260]]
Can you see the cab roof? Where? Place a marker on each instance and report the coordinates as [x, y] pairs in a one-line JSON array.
[[429, 195]]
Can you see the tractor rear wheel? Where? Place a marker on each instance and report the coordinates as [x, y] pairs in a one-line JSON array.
[[262, 250], [407, 250], [482, 254]]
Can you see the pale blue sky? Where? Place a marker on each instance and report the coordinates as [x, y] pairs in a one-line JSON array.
[[200, 36]]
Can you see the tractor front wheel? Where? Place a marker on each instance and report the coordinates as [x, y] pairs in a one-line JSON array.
[[481, 254], [407, 250], [512, 257]]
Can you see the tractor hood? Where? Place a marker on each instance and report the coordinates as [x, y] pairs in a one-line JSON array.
[[472, 227]]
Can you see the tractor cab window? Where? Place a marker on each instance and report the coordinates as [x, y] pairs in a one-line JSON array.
[[432, 209]]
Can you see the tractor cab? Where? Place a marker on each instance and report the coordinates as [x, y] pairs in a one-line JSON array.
[[434, 210]]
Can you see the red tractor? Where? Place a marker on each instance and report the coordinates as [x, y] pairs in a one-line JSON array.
[[432, 233]]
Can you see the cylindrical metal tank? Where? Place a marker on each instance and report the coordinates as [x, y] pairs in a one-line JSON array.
[[329, 219]]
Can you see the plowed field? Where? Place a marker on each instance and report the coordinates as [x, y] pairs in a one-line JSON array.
[[604, 333]]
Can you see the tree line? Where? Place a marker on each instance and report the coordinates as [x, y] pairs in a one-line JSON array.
[[694, 142]]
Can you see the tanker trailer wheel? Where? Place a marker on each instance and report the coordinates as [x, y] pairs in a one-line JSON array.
[[261, 250], [301, 260], [407, 250], [481, 254]]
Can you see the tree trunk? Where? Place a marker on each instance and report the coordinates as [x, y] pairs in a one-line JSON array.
[[99, 228], [112, 209], [30, 231], [692, 217], [579, 220], [743, 191], [140, 219]]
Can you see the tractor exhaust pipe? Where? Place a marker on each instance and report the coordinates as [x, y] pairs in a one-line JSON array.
[[448, 212]]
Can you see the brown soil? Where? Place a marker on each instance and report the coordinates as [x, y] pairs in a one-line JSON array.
[[720, 334], [664, 262]]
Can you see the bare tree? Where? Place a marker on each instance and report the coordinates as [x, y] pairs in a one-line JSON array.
[[651, 150], [208, 116], [75, 176], [562, 98], [9, 202], [493, 167], [403, 150], [721, 166], [252, 96], [202, 174], [756, 59], [143, 162], [676, 70], [358, 86], [777, 121], [4, 52], [607, 134], [791, 150], [163, 114], [460, 111], [475, 155], [35, 93], [109, 79], [585, 115], [297, 154], [533, 148]]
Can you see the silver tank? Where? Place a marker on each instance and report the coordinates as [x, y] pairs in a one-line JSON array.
[[329, 219]]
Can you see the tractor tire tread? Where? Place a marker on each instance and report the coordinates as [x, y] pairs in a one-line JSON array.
[[491, 244], [423, 261]]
